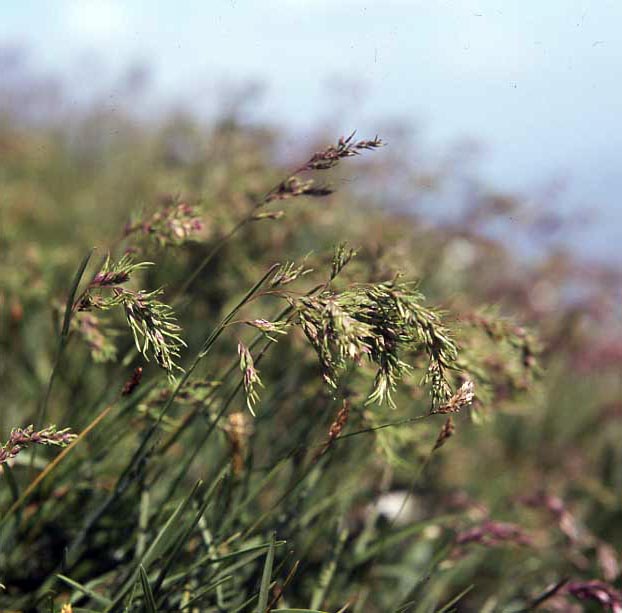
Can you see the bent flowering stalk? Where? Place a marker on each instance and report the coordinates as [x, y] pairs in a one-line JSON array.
[[116, 273], [293, 187], [290, 187], [345, 148], [21, 438]]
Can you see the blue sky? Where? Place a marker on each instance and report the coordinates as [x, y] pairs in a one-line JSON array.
[[536, 82]]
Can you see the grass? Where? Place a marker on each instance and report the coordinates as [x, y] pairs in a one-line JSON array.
[[274, 396]]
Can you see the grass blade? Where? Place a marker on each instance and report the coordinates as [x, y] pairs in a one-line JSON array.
[[455, 600], [181, 541], [205, 591], [150, 605], [162, 541], [297, 611], [328, 572], [264, 590], [85, 590]]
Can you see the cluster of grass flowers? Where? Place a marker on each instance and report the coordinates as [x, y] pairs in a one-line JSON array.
[[21, 438], [151, 321], [250, 405], [379, 323]]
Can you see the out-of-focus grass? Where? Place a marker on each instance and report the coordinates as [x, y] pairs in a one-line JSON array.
[[206, 507]]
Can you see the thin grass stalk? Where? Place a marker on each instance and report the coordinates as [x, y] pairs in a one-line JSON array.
[[62, 343], [447, 607]]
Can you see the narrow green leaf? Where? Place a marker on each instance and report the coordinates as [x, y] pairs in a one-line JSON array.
[[166, 536], [328, 570], [455, 600], [264, 590], [245, 604], [85, 590], [150, 604], [72, 294], [205, 591], [413, 595], [181, 541], [130, 600], [253, 553], [297, 611]]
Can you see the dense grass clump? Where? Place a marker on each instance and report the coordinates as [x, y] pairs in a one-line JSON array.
[[227, 387]]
